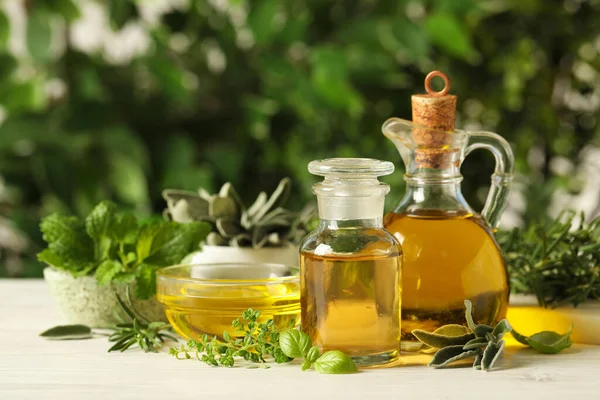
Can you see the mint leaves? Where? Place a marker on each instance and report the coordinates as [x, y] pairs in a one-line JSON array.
[[297, 344], [115, 248]]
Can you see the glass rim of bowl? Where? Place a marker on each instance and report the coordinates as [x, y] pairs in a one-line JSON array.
[[163, 274]]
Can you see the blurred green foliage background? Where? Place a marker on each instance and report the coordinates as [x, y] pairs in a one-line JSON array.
[[119, 99]]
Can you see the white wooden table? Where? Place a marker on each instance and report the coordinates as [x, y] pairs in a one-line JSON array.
[[33, 368]]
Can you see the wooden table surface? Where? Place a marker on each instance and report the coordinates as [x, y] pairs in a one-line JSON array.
[[34, 368]]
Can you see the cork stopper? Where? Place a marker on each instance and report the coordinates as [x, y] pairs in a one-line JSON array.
[[437, 112]]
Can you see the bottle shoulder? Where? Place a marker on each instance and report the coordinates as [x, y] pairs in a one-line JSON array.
[[364, 241]]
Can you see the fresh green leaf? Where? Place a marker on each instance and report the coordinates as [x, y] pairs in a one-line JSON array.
[[173, 241], [335, 362], [306, 364], [4, 29], [549, 342], [479, 330], [107, 270], [100, 220], [39, 35], [145, 281], [313, 354], [446, 31], [519, 338], [124, 228], [124, 277], [440, 341], [67, 332], [450, 354], [294, 343], [452, 330], [69, 247], [491, 354]]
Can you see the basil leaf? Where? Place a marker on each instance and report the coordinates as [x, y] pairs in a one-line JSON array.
[[450, 354], [335, 362], [549, 342], [294, 343], [67, 332], [306, 365], [438, 341], [313, 354], [491, 354]]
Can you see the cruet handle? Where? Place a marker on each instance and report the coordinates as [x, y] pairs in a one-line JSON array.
[[500, 189]]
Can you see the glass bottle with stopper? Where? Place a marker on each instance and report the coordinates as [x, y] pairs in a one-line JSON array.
[[350, 267], [449, 250]]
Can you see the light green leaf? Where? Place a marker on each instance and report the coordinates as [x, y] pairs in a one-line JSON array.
[[145, 281], [100, 220], [124, 277], [4, 29], [107, 271], [439, 341], [67, 332], [313, 354], [549, 342], [452, 330], [519, 338], [127, 178], [449, 33], [39, 35], [294, 343], [173, 241], [68, 241], [124, 228], [335, 362]]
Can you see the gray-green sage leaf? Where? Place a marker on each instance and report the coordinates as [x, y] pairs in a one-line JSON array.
[[450, 354], [68, 332]]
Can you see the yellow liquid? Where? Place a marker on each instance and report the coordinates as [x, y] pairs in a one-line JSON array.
[[194, 310], [351, 304], [447, 259]]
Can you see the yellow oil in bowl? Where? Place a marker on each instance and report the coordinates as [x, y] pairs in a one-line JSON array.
[[205, 298]]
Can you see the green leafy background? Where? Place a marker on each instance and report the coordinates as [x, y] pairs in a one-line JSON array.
[[202, 92]]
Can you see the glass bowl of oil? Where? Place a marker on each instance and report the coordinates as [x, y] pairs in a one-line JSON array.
[[205, 298]]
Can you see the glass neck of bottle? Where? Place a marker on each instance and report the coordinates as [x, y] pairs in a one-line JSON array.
[[352, 223], [433, 193], [345, 208]]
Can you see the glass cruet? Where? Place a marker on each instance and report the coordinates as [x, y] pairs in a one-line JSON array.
[[350, 267], [450, 253]]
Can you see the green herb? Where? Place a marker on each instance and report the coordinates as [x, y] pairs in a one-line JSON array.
[[68, 332], [559, 263], [456, 342], [148, 336], [258, 341], [546, 342], [114, 248]]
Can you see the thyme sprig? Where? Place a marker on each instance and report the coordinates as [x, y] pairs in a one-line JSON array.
[[256, 342], [558, 263]]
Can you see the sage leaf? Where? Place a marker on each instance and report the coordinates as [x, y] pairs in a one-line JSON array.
[[477, 362], [519, 338], [452, 330], [549, 342], [438, 341], [491, 354], [335, 362], [68, 332], [479, 330], [501, 328], [450, 354], [294, 343], [477, 343]]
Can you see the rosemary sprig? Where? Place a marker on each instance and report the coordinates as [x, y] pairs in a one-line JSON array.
[[558, 263], [148, 336]]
